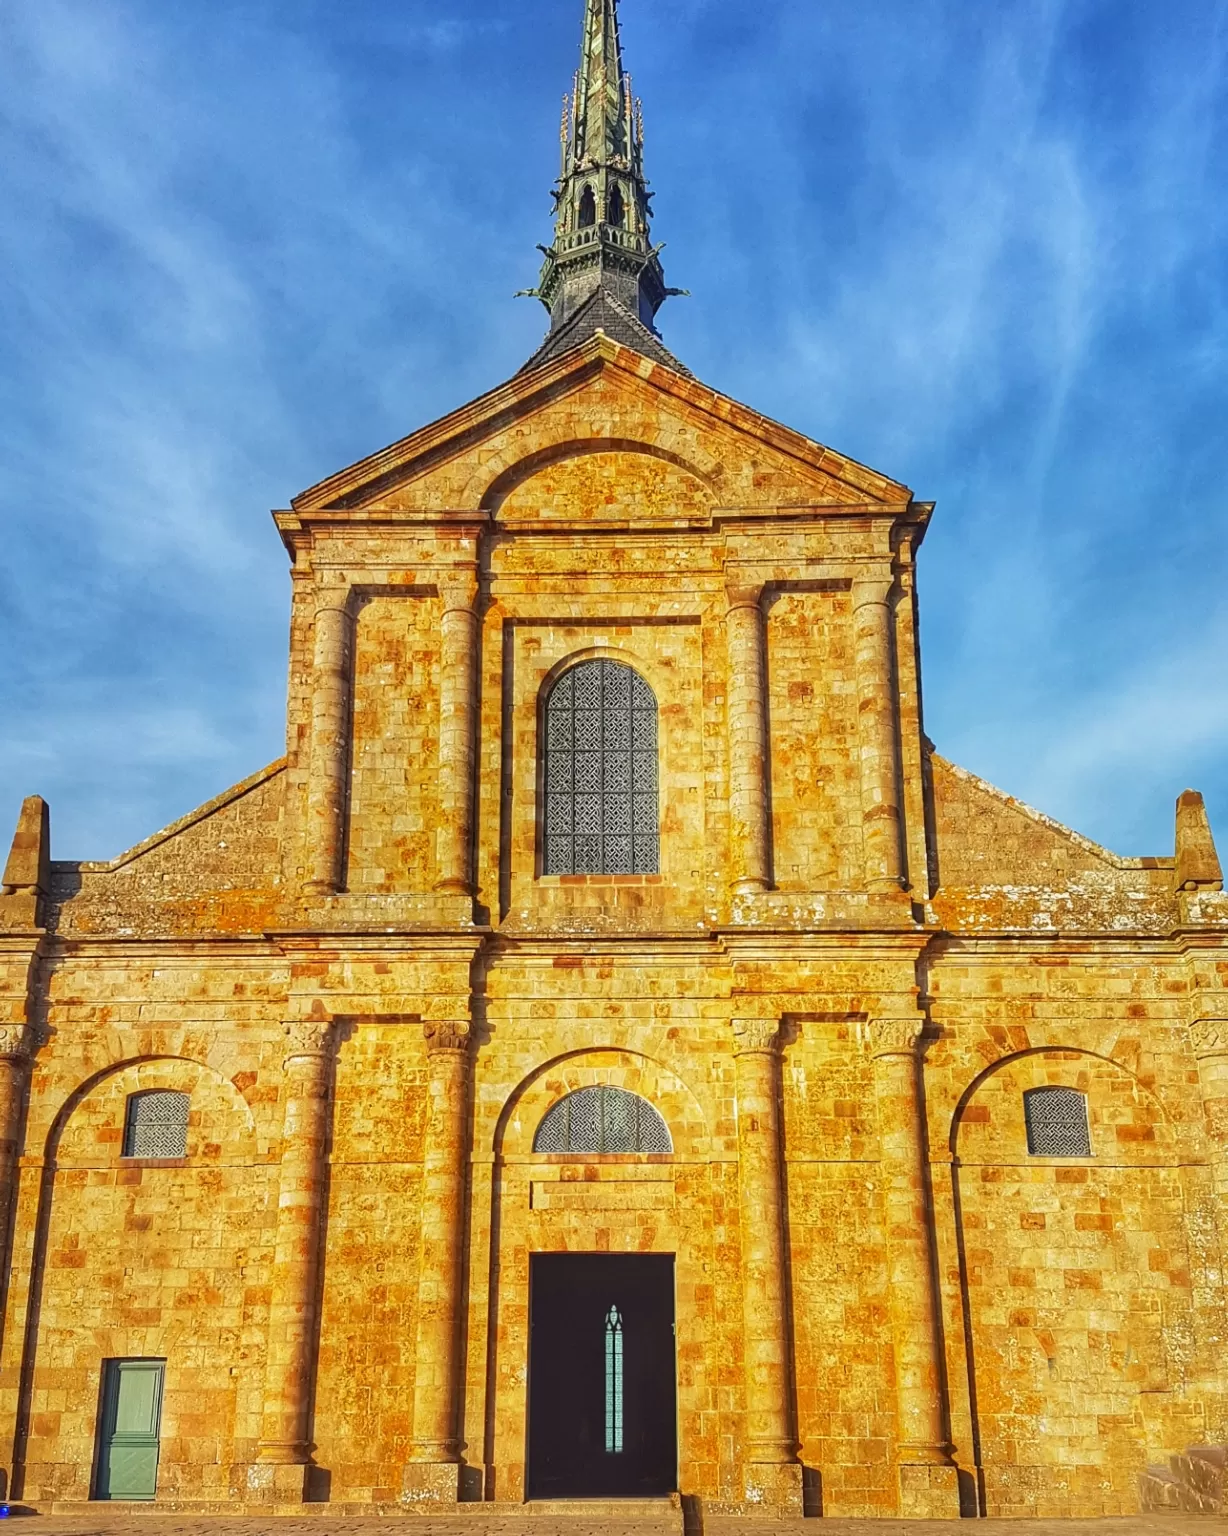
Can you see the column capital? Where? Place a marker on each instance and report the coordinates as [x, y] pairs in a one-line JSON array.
[[444, 1035], [332, 597], [1209, 1037], [306, 1038], [755, 1035], [458, 591], [898, 1036], [742, 592], [872, 590], [18, 1042]]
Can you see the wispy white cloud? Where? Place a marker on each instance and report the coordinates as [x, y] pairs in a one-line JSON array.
[[990, 257], [981, 247]]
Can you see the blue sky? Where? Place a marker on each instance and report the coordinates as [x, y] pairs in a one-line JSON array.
[[982, 247]]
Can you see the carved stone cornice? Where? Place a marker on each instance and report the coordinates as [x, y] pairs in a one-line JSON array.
[[1209, 1037], [755, 1035], [306, 1038], [443, 1035], [896, 1036]]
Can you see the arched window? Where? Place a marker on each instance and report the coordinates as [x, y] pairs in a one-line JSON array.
[[1056, 1121], [588, 208], [602, 1120], [156, 1124], [601, 773], [614, 206]]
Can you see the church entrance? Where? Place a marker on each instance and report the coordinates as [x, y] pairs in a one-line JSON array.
[[602, 1389]]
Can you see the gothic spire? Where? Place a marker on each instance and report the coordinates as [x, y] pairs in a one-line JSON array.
[[602, 271]]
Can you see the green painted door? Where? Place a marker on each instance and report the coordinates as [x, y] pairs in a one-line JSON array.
[[131, 1417]]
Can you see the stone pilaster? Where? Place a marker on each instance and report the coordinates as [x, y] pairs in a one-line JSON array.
[[17, 1046], [928, 1479], [19, 954], [432, 1473], [1209, 1039], [772, 1474], [748, 745], [878, 737], [457, 734], [284, 1456], [328, 763]]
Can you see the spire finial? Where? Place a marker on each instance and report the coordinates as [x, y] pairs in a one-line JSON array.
[[602, 250]]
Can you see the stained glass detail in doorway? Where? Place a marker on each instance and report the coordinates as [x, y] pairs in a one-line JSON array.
[[613, 1382]]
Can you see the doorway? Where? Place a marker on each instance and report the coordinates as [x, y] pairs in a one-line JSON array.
[[602, 1384], [129, 1429]]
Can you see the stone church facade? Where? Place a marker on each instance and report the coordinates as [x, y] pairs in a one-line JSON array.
[[612, 1053]]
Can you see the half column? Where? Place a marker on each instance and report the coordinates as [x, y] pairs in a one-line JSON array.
[[280, 1473], [928, 1479], [458, 661], [432, 1473], [329, 755], [748, 746], [772, 1474], [878, 734]]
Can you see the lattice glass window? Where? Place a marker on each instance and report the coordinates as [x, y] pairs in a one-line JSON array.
[[156, 1124], [613, 1382], [1056, 1120], [601, 773], [602, 1120]]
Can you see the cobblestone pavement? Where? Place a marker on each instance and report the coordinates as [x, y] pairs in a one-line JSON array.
[[114, 1522]]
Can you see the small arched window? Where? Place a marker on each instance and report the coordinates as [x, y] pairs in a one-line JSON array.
[[1056, 1121], [156, 1124], [588, 208], [614, 207], [602, 1120], [601, 773]]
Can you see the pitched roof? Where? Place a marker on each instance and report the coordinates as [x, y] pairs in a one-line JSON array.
[[602, 312]]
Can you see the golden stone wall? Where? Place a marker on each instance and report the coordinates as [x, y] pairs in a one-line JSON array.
[[855, 959]]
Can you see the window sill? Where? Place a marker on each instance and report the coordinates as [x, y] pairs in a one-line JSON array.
[[554, 881], [153, 1162]]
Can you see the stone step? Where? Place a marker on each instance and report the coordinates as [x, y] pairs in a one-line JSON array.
[[1194, 1481], [665, 1513], [667, 1509]]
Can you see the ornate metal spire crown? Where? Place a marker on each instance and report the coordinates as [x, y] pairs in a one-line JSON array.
[[602, 271]]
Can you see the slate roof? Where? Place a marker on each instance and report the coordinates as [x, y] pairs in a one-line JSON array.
[[601, 311]]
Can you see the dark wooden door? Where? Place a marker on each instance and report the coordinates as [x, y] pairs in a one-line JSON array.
[[602, 1389]]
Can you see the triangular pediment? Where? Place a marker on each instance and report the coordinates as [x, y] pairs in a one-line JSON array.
[[602, 426]]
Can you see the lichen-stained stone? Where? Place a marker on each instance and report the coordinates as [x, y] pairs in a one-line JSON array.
[[850, 963]]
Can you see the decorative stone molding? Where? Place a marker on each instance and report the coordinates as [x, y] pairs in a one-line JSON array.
[[307, 1037], [1209, 1037], [896, 1037], [755, 1035], [447, 1035]]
